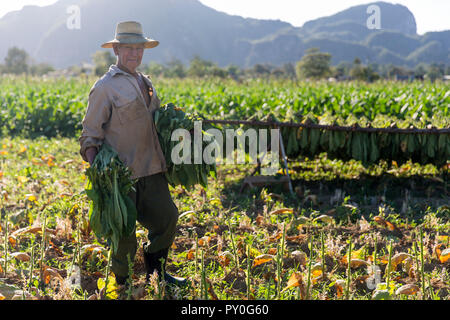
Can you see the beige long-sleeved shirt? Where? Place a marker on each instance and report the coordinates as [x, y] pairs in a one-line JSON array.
[[117, 114]]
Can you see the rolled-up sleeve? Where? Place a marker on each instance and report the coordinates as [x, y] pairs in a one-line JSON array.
[[97, 114]]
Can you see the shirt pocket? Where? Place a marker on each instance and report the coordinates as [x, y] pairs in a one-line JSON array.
[[129, 109]]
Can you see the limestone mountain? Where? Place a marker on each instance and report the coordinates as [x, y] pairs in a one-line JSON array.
[[187, 28]]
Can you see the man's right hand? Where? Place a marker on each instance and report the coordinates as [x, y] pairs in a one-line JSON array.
[[90, 154]]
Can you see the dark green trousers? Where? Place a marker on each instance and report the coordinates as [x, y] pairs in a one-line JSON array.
[[157, 213]]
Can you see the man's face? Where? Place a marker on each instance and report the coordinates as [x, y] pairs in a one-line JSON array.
[[129, 55]]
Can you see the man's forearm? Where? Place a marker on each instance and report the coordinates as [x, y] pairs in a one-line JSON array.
[[90, 154]]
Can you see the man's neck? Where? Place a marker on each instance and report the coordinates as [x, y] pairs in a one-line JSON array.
[[123, 68]]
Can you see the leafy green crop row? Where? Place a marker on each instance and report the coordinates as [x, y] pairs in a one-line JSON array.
[[229, 100], [33, 107], [38, 108]]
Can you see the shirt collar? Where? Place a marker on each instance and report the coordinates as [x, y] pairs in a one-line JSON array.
[[114, 69]]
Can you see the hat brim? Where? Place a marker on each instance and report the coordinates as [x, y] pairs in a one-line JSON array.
[[148, 43]]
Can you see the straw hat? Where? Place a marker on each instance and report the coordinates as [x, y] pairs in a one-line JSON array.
[[130, 32]]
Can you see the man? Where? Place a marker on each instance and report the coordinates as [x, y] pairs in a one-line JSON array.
[[120, 112]]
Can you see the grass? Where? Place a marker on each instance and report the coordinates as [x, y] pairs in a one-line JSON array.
[[42, 183]]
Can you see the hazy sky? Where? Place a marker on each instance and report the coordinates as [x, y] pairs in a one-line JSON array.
[[431, 15]]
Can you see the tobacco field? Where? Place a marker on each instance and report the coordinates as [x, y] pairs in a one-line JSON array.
[[360, 225]]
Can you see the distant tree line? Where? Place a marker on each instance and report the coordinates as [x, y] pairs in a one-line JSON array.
[[313, 65], [200, 68], [316, 65], [17, 61]]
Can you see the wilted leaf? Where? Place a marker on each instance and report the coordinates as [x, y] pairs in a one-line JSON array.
[[56, 248], [408, 289], [390, 226], [316, 267], [299, 257], [261, 259], [93, 248], [356, 263], [324, 218], [259, 220], [275, 237], [282, 211], [111, 289], [381, 221], [190, 254], [398, 258], [50, 273], [357, 257], [204, 241], [298, 238], [32, 230], [8, 290], [444, 256], [339, 284], [12, 240], [383, 259], [302, 220], [22, 256], [358, 254], [92, 297], [296, 280], [316, 275], [316, 272], [224, 260], [407, 264], [226, 257], [381, 295]]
